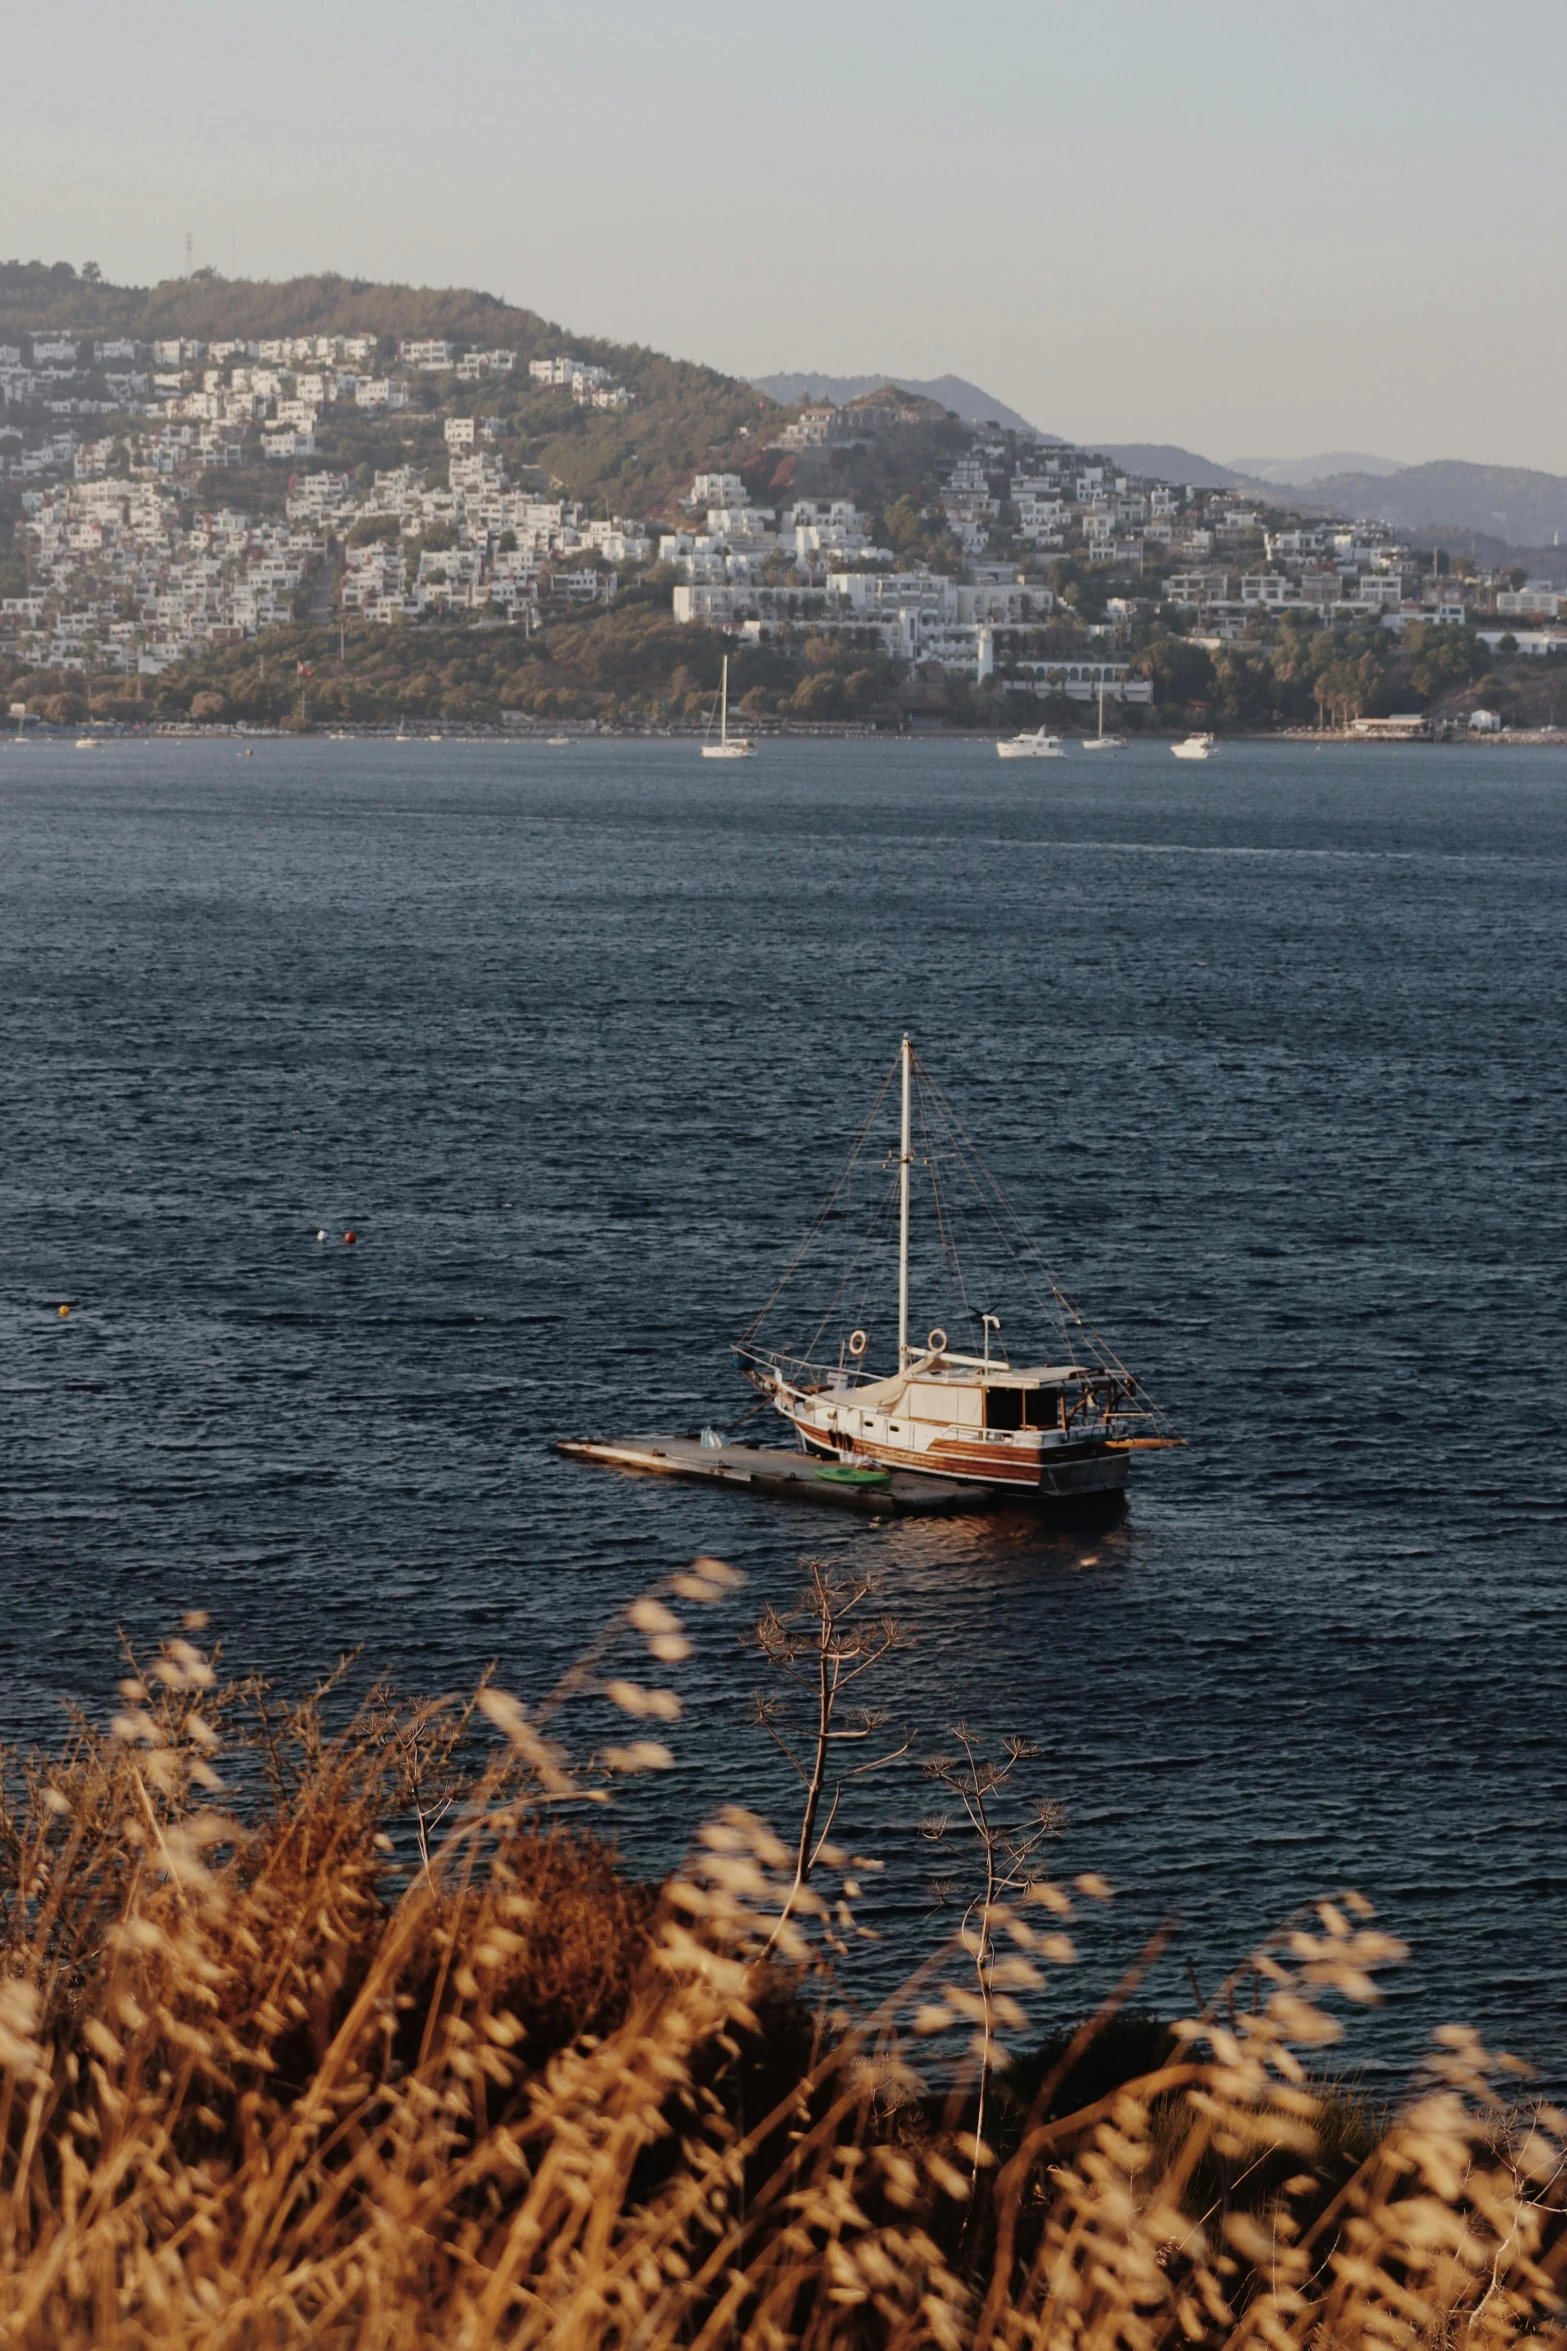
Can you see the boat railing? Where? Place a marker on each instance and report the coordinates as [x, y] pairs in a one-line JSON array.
[[799, 1370]]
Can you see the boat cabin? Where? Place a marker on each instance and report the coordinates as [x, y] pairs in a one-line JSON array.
[[965, 1392]]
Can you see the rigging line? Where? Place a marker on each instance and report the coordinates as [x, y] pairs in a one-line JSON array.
[[867, 1238], [1019, 1241], [978, 1174], [1051, 1320], [965, 1240], [987, 1185], [954, 1264], [989, 1190], [843, 1180], [1049, 1308], [848, 1273], [1076, 1332], [844, 1173], [825, 1209]]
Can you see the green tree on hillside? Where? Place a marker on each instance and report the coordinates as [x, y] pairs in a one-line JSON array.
[[1181, 671]]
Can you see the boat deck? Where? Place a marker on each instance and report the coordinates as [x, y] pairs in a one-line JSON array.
[[793, 1475]]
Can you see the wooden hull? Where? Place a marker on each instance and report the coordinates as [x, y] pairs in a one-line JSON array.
[[1064, 1473]]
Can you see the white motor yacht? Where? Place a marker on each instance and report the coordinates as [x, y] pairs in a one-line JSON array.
[[1039, 745], [1196, 747]]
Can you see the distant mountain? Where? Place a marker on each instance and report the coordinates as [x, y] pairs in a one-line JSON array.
[[968, 401], [1509, 502], [1166, 463], [1298, 473]]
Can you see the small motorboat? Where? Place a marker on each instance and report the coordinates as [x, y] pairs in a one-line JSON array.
[[1039, 745], [1196, 747]]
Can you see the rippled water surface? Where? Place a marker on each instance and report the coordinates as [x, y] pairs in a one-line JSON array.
[[1269, 1053]]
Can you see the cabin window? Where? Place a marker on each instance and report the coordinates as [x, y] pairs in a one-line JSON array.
[[1044, 1408], [1003, 1408]]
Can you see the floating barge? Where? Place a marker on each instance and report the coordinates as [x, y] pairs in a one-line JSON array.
[[799, 1477]]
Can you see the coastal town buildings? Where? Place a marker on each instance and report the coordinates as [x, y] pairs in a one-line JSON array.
[[118, 453]]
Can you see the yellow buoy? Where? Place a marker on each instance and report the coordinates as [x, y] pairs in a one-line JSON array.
[[65, 1310]]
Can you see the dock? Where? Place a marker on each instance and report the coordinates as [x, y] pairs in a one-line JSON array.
[[795, 1476]]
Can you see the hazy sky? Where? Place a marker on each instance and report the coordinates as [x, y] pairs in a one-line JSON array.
[[1254, 228]]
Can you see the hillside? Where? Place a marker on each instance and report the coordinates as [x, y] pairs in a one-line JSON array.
[[1168, 463], [330, 501], [207, 306], [964, 399], [1508, 503], [1299, 473], [640, 457]]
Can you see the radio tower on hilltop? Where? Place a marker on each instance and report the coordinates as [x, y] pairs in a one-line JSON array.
[[188, 256]]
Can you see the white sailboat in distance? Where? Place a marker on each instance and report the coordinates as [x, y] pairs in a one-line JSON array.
[[728, 746], [1061, 1425], [1102, 741]]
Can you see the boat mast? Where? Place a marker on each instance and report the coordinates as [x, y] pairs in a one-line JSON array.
[[907, 1058], [723, 724]]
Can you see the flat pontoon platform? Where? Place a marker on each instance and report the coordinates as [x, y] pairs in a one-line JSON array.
[[794, 1475]]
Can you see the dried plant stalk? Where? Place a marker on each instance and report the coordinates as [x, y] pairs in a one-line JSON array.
[[370, 2046]]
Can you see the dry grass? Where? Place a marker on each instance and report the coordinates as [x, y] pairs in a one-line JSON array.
[[368, 2047]]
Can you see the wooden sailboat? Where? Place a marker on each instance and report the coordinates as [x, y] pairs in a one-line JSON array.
[[1062, 1427], [728, 746]]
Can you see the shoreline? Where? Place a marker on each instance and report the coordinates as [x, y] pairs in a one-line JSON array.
[[589, 731]]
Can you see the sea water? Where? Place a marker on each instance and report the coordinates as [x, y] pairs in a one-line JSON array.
[[1268, 1053]]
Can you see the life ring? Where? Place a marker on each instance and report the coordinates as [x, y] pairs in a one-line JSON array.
[[858, 1343], [936, 1341]]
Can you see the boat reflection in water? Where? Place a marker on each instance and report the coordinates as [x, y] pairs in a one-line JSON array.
[[1059, 1429]]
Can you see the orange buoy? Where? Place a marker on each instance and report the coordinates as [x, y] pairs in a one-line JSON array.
[[65, 1310], [349, 1239]]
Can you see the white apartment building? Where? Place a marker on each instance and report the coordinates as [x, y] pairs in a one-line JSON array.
[[818, 527], [1038, 517], [812, 429], [1195, 588], [1271, 589], [1082, 681], [1539, 600], [913, 616], [566, 372], [716, 489]]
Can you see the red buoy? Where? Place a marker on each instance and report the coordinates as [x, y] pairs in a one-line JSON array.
[[350, 1239]]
